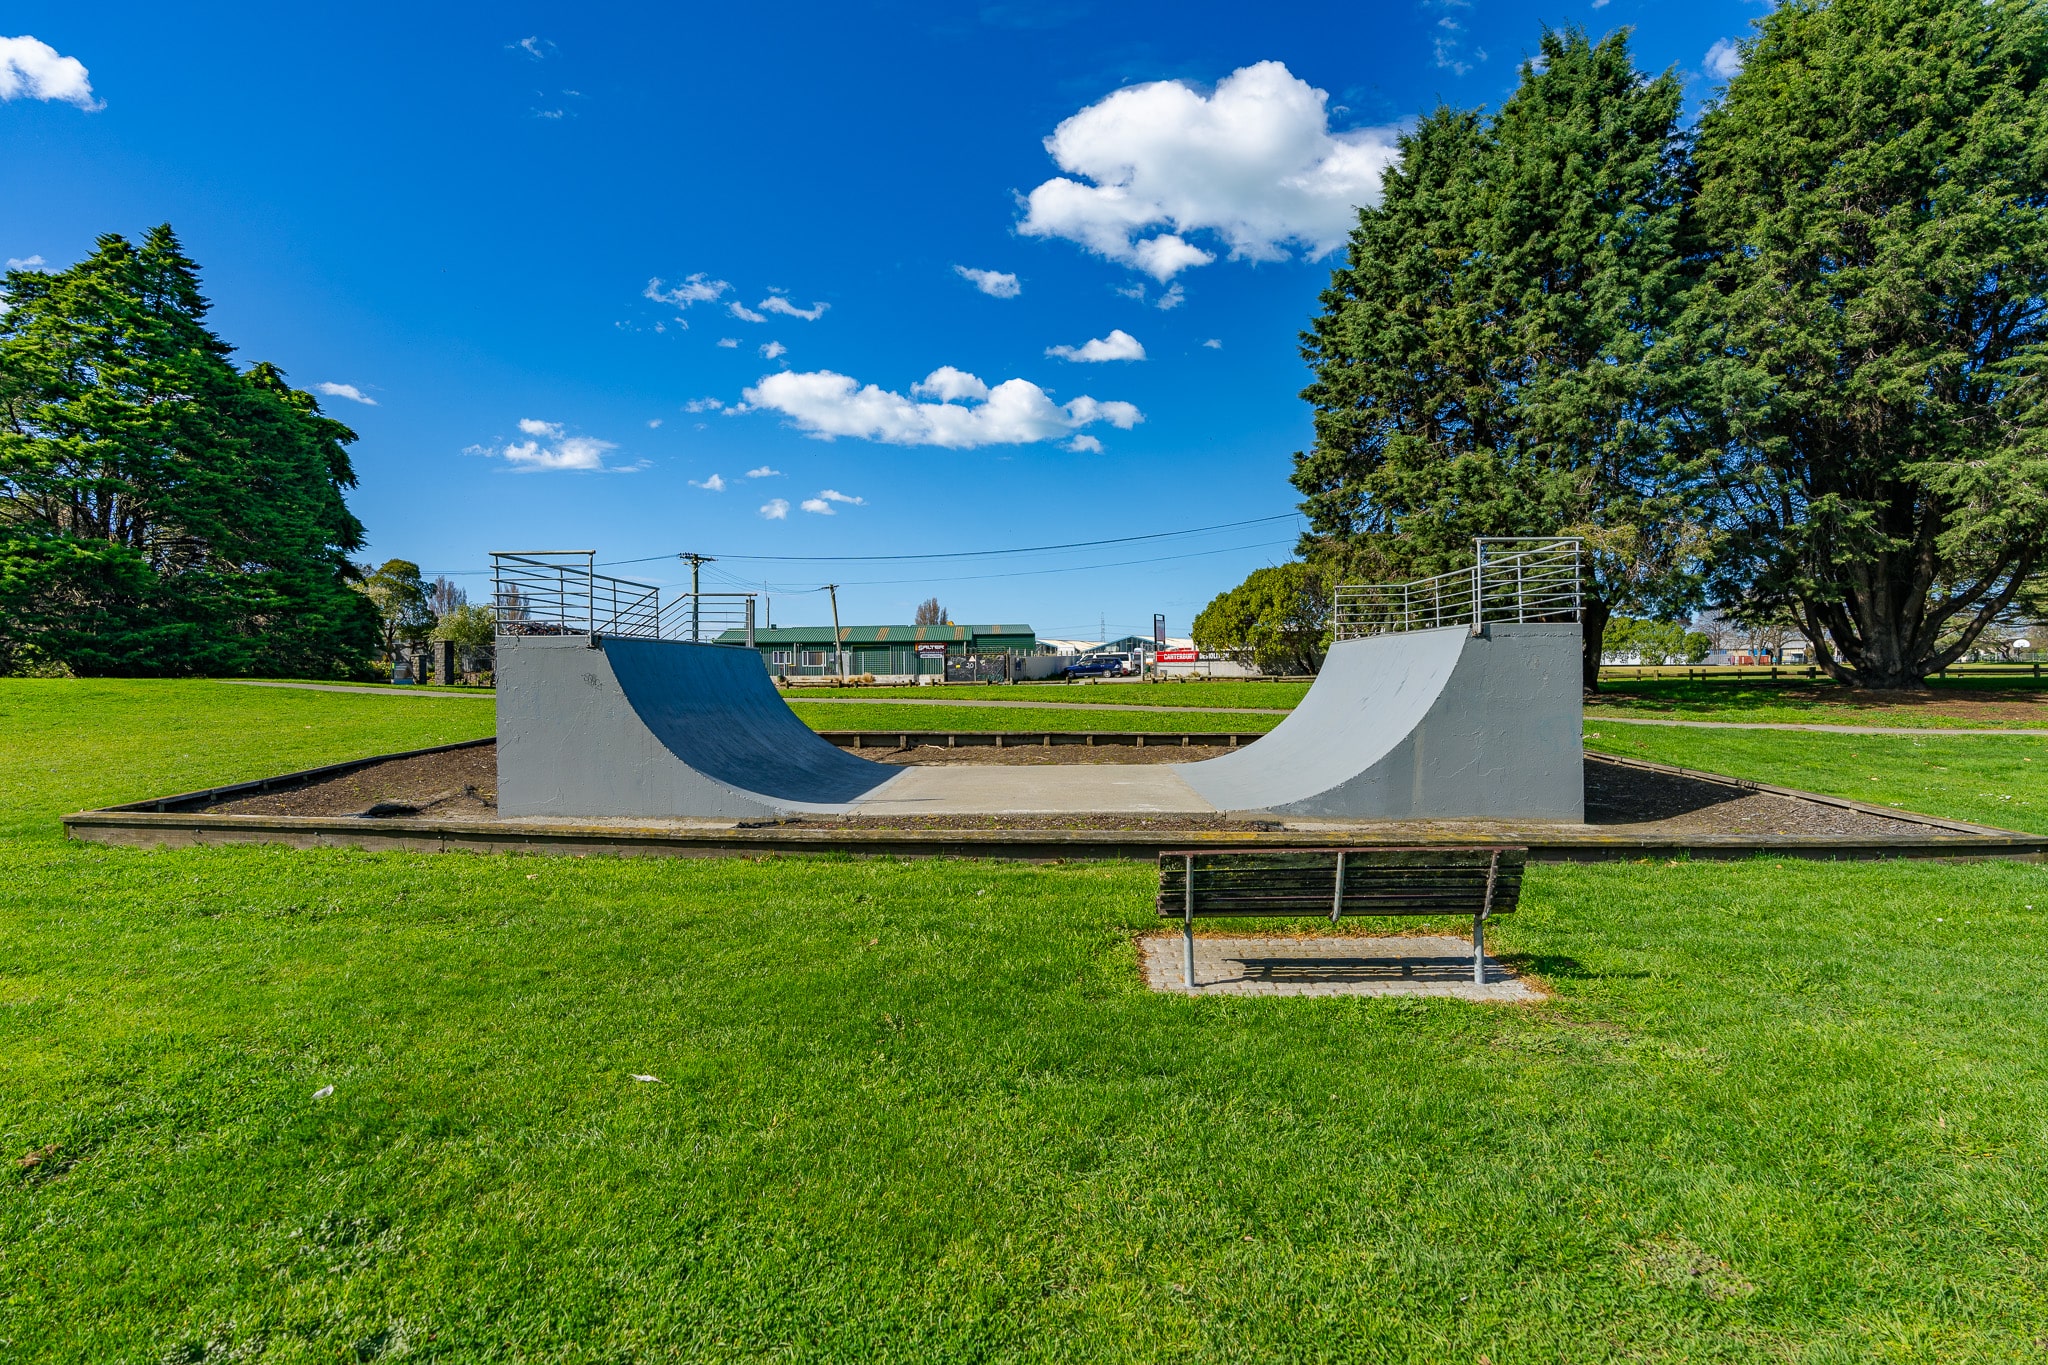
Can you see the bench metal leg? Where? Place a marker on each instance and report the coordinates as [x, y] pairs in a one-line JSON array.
[[1479, 950]]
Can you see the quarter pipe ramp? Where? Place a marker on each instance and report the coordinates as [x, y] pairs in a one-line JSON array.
[[1425, 724]]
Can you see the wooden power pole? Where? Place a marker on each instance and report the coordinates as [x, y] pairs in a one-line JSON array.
[[838, 651]]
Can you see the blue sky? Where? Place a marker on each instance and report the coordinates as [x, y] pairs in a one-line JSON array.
[[941, 235]]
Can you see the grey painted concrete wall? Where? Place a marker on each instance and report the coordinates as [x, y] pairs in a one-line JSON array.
[[1434, 724]]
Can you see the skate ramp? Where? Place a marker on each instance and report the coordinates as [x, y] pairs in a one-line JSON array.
[[659, 728], [1426, 724]]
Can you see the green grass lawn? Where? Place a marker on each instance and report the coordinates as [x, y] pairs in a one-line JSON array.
[[924, 1111], [1950, 703], [826, 715], [1984, 779], [66, 745]]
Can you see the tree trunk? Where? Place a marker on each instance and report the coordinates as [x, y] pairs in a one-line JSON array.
[[1593, 616]]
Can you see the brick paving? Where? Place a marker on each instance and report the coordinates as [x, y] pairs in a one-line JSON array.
[[1408, 965]]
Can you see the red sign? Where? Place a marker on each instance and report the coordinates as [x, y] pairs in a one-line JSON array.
[[1179, 656]]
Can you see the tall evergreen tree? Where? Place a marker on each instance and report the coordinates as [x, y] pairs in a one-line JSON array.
[[160, 511], [1870, 333], [1484, 360]]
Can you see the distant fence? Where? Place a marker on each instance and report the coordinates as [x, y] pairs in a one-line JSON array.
[[1787, 672]]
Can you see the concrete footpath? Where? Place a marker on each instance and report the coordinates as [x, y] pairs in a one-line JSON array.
[[424, 690], [1789, 725]]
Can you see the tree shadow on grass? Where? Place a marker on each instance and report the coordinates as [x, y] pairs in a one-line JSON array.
[[1558, 967]]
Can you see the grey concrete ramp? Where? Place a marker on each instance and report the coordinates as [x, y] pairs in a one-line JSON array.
[[1436, 724], [659, 728], [1054, 789], [1427, 724]]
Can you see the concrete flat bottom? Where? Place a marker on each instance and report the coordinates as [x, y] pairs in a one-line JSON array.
[[1124, 788], [1401, 966]]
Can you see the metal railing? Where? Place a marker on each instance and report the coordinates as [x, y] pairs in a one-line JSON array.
[[707, 616], [1512, 578], [560, 592]]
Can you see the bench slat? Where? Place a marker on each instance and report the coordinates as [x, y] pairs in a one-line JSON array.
[[1292, 882]]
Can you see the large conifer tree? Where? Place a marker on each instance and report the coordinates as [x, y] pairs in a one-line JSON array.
[[160, 511], [1870, 336], [1484, 359]]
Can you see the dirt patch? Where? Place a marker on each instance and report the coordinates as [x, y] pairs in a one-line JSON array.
[[462, 784], [457, 784], [1666, 803]]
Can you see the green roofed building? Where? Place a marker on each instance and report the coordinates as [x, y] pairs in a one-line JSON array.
[[885, 651]]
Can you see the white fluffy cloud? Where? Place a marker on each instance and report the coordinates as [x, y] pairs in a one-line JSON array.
[[822, 504], [775, 303], [967, 413], [1214, 343], [32, 69], [698, 288], [764, 472], [994, 283], [744, 313], [26, 262], [1118, 345], [348, 391], [1255, 163], [776, 509], [774, 350], [1086, 445], [729, 343], [551, 448], [1724, 59], [703, 405], [714, 484]]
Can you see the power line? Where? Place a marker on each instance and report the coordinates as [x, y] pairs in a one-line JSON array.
[[792, 589], [1070, 568], [971, 554]]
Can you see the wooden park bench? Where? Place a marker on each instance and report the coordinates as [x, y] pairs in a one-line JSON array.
[[1273, 883]]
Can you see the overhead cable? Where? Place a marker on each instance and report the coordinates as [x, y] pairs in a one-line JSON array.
[[971, 554]]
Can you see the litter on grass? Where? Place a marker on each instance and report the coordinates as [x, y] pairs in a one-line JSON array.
[[323, 1092]]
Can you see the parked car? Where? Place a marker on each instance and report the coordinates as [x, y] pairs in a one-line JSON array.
[[1101, 666]]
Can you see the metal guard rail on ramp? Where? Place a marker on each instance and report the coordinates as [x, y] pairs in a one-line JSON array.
[[1518, 579], [560, 592]]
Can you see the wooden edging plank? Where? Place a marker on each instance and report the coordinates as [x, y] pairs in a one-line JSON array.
[[144, 828], [158, 822], [212, 794]]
